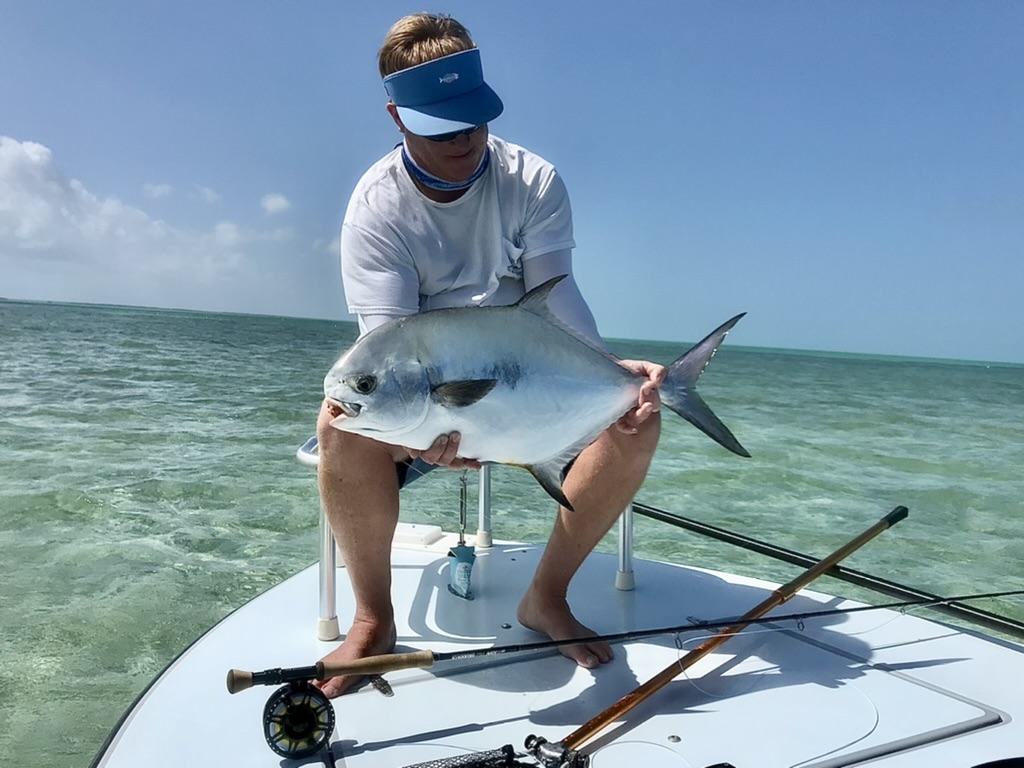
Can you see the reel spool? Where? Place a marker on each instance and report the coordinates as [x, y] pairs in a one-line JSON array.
[[298, 720]]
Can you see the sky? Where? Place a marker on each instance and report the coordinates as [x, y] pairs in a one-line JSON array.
[[849, 173]]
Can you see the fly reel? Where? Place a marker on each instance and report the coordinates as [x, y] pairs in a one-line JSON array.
[[298, 720]]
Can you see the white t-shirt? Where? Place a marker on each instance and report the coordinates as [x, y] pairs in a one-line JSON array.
[[402, 253]]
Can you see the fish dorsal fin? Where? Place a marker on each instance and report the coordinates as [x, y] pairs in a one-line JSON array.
[[459, 394], [536, 303], [536, 300]]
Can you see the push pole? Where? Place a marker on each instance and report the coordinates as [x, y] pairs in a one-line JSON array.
[[563, 751]]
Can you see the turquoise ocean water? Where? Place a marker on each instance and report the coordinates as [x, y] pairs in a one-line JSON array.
[[149, 486]]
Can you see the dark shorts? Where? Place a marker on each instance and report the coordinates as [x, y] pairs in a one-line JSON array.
[[410, 469]]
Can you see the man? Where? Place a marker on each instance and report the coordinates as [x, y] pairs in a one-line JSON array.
[[457, 217]]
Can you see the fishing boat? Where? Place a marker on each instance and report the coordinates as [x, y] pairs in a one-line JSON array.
[[711, 668]]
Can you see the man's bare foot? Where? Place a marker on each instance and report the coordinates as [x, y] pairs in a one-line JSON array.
[[363, 639], [552, 617]]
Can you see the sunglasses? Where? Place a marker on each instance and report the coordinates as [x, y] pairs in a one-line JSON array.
[[441, 137]]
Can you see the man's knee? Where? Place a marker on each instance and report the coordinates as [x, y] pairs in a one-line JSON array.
[[333, 444], [643, 443], [650, 432], [339, 448]]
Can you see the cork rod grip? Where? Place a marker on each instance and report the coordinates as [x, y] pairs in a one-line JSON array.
[[378, 665]]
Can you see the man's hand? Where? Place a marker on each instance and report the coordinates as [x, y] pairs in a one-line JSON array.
[[649, 400], [445, 453]]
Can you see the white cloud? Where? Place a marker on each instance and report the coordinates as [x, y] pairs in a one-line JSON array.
[[44, 213], [206, 194], [227, 234], [156, 190], [275, 203], [59, 241]]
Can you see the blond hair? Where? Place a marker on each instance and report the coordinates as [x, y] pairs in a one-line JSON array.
[[419, 38]]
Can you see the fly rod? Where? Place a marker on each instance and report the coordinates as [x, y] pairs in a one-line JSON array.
[[567, 750], [240, 680]]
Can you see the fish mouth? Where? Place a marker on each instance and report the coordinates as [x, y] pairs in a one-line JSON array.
[[351, 410]]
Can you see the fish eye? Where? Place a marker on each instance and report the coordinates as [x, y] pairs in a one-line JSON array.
[[364, 384]]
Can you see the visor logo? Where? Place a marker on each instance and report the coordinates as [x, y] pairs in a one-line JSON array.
[[448, 79]]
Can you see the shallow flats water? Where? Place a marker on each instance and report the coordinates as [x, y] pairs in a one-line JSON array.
[[149, 486]]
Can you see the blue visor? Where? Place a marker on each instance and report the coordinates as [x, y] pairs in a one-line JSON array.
[[444, 95]]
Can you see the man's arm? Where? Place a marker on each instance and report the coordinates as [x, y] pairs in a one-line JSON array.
[[368, 322]]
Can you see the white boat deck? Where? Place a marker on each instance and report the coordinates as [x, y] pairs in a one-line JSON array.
[[877, 686]]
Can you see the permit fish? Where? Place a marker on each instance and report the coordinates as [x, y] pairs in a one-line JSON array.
[[520, 386]]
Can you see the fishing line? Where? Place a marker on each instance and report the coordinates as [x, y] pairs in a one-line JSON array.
[[897, 615], [684, 646], [875, 714], [874, 727], [912, 610], [239, 680], [872, 707], [760, 678]]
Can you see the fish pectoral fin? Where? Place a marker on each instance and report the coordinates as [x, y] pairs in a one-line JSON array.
[[459, 394]]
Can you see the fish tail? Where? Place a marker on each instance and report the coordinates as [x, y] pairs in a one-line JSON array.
[[679, 391]]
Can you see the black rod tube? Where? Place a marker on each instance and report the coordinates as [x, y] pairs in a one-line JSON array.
[[969, 613]]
